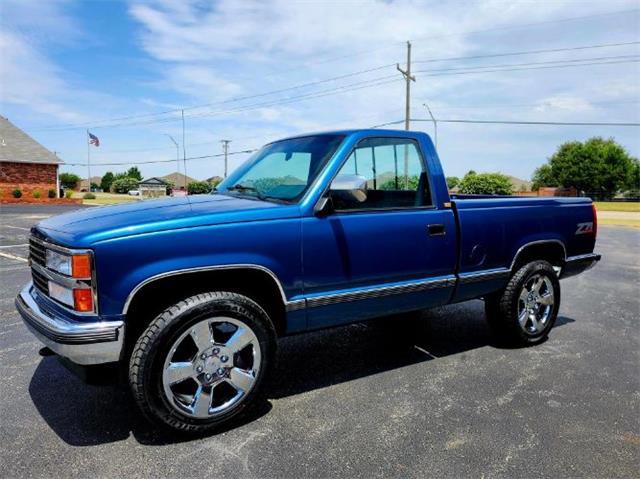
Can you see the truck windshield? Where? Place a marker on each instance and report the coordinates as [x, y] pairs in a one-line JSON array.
[[282, 171]]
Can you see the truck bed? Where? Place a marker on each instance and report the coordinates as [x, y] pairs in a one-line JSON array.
[[492, 229]]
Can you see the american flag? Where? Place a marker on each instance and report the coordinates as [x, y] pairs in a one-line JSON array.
[[93, 140]]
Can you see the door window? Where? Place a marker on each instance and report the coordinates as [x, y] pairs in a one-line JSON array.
[[394, 174]]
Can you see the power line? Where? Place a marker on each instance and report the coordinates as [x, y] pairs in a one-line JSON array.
[[105, 123], [391, 78], [101, 123], [146, 162], [474, 71], [526, 122], [528, 52], [526, 64]]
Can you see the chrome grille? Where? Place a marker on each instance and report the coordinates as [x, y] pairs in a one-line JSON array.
[[40, 281], [37, 252]]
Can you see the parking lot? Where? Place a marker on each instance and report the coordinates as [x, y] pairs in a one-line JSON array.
[[359, 400]]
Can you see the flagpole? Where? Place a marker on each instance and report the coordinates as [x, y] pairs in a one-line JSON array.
[[88, 161]]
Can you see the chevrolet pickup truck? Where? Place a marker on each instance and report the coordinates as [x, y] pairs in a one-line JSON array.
[[190, 295]]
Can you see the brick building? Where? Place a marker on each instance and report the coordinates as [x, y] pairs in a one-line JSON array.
[[24, 163]]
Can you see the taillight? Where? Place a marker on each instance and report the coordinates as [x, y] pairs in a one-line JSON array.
[[595, 219]]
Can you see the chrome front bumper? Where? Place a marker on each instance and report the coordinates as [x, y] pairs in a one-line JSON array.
[[84, 343]]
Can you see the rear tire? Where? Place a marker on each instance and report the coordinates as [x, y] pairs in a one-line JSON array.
[[202, 362], [526, 310]]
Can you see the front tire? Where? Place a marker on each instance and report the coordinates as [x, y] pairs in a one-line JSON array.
[[526, 310], [202, 362]]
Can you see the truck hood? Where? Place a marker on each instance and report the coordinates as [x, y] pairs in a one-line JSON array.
[[85, 227]]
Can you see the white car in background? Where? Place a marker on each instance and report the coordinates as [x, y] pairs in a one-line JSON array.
[[134, 193]]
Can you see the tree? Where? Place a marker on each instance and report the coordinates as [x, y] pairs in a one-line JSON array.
[[134, 172], [543, 177], [69, 180], [195, 188], [633, 186], [452, 182], [597, 167], [486, 184], [123, 185], [107, 180]]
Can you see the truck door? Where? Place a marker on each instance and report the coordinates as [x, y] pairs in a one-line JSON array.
[[387, 251]]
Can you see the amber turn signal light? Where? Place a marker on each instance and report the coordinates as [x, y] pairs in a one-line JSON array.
[[83, 300], [81, 266]]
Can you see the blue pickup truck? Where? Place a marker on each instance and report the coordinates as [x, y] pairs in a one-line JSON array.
[[190, 295]]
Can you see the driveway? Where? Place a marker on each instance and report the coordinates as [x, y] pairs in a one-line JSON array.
[[363, 400]]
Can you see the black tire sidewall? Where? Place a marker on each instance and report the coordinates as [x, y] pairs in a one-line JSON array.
[[509, 303], [166, 329]]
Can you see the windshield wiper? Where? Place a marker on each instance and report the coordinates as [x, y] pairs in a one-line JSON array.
[[244, 188]]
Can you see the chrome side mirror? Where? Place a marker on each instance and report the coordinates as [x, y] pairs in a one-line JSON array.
[[349, 188]]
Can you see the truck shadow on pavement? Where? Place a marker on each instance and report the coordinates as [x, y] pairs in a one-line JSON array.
[[85, 415]]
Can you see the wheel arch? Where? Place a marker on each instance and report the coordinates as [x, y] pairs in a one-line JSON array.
[[552, 250], [255, 282]]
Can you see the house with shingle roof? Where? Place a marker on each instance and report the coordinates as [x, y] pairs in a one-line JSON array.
[[24, 163]]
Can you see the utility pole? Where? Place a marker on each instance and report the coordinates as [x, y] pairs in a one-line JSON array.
[[408, 79], [435, 125], [177, 152], [225, 148], [184, 153]]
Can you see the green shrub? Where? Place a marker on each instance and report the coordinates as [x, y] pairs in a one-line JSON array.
[[17, 193], [51, 193], [68, 193], [89, 196], [486, 184], [36, 194], [69, 180], [198, 187], [124, 184]]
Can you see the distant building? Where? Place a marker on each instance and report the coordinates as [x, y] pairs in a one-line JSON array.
[[153, 187], [24, 163], [178, 180], [85, 185]]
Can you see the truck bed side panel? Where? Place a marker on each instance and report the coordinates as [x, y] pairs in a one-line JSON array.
[[492, 231]]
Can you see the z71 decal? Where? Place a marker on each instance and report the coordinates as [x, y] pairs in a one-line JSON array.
[[586, 227]]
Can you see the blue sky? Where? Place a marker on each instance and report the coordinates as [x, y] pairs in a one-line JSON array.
[[67, 66]]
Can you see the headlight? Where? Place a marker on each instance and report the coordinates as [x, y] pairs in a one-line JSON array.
[[76, 266], [59, 262]]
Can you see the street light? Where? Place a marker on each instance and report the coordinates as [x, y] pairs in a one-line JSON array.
[[177, 156], [435, 125]]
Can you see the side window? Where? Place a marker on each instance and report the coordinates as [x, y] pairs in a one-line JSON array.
[[392, 170]]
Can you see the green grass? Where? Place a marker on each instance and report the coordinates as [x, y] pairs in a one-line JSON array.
[[107, 198], [618, 206]]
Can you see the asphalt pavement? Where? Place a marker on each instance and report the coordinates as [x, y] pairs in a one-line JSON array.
[[363, 400]]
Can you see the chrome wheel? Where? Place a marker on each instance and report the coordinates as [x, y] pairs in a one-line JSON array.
[[535, 304], [211, 367]]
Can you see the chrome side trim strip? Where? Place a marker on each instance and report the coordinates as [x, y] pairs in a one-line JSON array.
[[295, 305], [376, 292], [482, 275], [204, 269]]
